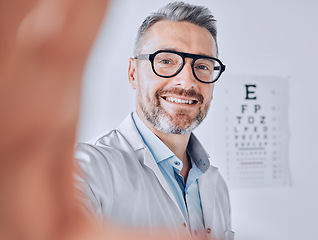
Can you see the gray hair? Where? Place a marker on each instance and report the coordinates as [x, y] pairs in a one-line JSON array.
[[178, 12]]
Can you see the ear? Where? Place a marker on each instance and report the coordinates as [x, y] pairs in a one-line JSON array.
[[132, 73]]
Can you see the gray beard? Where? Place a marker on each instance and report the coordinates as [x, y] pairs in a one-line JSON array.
[[163, 122]]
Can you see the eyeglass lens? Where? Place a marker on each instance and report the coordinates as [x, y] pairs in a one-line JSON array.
[[167, 64]]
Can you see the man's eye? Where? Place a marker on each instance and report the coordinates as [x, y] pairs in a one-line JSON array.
[[202, 67], [165, 61]]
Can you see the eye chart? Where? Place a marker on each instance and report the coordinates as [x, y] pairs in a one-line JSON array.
[[251, 131]]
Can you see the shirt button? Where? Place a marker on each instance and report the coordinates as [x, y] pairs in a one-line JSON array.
[[184, 224], [176, 163], [195, 233], [208, 230]]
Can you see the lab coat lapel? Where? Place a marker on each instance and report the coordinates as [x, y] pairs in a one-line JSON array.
[[207, 188], [129, 131], [150, 162]]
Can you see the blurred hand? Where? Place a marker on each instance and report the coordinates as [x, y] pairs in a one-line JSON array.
[[44, 46]]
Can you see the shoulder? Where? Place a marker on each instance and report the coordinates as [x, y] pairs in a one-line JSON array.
[[215, 191], [97, 165], [114, 152], [220, 184], [105, 150], [214, 181], [222, 192]]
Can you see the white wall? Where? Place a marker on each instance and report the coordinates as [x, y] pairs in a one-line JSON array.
[[272, 37]]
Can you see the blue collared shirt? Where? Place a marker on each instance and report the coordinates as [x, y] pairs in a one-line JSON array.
[[186, 194]]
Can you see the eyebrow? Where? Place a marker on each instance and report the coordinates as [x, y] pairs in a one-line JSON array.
[[178, 50], [170, 48]]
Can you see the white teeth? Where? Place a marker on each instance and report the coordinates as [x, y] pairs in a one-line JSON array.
[[176, 100]]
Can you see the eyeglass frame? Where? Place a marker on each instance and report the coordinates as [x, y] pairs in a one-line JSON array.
[[183, 55]]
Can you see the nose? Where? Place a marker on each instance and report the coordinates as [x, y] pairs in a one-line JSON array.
[[185, 77]]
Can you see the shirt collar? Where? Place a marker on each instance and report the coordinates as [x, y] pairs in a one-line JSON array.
[[198, 154]]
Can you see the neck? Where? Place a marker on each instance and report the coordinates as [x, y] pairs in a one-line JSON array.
[[177, 143]]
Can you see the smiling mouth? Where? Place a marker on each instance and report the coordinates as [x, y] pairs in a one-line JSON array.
[[180, 101]]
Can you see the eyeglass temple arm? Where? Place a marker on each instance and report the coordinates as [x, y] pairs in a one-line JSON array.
[[142, 56], [219, 68]]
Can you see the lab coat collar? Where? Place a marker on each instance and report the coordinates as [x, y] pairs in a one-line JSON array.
[[158, 149], [128, 129]]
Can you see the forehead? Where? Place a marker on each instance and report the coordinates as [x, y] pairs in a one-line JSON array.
[[180, 36]]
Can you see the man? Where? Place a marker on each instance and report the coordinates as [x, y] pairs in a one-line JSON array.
[[152, 171]]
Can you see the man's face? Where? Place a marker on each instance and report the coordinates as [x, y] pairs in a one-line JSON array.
[[178, 104]]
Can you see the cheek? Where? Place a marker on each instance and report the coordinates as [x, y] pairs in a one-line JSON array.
[[211, 91], [148, 84], [145, 90], [207, 92], [144, 76]]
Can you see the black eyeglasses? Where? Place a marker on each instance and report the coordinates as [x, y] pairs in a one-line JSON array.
[[167, 63]]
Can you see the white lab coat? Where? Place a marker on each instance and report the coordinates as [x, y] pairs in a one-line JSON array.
[[123, 183]]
